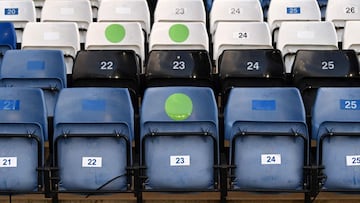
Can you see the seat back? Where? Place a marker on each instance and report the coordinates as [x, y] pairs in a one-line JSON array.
[[291, 10], [23, 130], [268, 138], [63, 36], [350, 39], [294, 36], [44, 69], [179, 135], [234, 11], [18, 12], [335, 127], [93, 132], [78, 11], [125, 11], [339, 12], [180, 11], [7, 38]]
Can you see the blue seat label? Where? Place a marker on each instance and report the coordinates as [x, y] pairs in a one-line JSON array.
[[349, 104], [264, 105], [35, 65], [10, 105], [11, 11], [293, 10], [93, 105]]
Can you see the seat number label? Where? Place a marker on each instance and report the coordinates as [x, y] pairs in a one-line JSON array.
[[327, 65], [180, 160], [270, 159], [11, 11], [106, 65], [252, 66], [92, 162], [8, 162], [178, 65], [351, 9], [353, 160], [349, 104], [235, 11]]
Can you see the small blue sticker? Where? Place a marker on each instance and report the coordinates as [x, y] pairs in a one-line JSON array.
[[35, 65], [9, 105], [349, 104], [11, 11], [264, 105], [93, 105], [293, 10]]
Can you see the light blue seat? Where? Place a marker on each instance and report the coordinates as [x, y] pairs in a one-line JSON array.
[[7, 38], [93, 132], [267, 132], [23, 127], [43, 69], [336, 127], [179, 138]]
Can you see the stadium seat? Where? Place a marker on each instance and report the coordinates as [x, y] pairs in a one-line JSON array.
[[180, 11], [78, 11], [250, 68], [63, 36], [125, 11], [314, 69], [93, 132], [291, 10], [179, 139], [336, 129], [294, 36], [239, 35], [116, 36], [44, 69], [268, 139], [338, 12], [18, 12], [7, 38], [23, 129], [108, 68], [350, 39], [235, 11], [179, 55]]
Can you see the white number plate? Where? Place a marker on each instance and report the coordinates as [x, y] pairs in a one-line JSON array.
[[8, 162], [270, 159], [180, 160], [92, 162]]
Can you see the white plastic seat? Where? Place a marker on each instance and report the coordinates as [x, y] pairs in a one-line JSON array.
[[179, 36], [351, 38], [47, 35], [116, 36], [78, 11], [18, 12], [234, 11], [291, 10], [125, 11], [180, 10], [241, 35], [339, 12], [294, 36]]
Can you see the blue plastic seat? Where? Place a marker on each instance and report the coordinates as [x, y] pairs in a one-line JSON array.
[[335, 127], [7, 38], [23, 128], [43, 69], [93, 133], [179, 139], [267, 132]]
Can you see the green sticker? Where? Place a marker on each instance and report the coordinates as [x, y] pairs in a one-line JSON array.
[[178, 33], [178, 106], [115, 33]]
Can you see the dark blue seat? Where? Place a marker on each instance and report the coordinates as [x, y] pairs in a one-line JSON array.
[[267, 132], [7, 38], [23, 128], [93, 133]]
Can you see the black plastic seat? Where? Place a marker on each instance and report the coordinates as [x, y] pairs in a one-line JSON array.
[[107, 68], [250, 68], [178, 68]]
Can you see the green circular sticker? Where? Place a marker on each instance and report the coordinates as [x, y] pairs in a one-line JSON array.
[[178, 33], [115, 33], [178, 106]]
